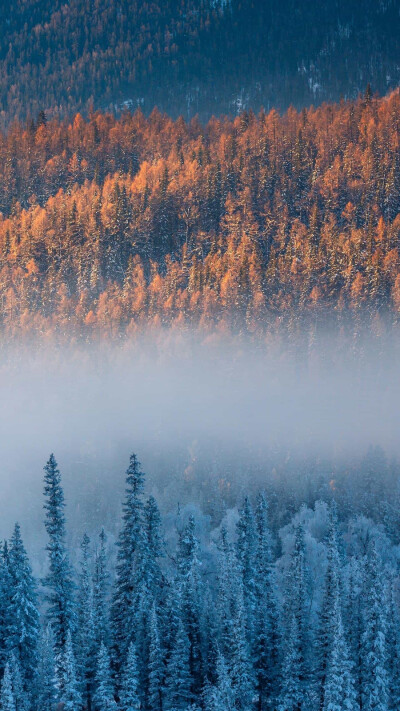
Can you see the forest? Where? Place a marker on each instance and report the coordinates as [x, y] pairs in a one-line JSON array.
[[257, 226], [261, 605], [192, 56]]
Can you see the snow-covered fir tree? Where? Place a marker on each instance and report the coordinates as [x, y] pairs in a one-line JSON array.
[[58, 581], [104, 698]]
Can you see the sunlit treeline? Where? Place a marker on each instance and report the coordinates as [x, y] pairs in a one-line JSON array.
[[109, 226]]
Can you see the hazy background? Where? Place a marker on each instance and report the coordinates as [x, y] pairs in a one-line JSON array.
[[185, 408]]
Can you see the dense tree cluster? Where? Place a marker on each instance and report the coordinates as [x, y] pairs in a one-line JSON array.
[[249, 617], [206, 56], [109, 226]]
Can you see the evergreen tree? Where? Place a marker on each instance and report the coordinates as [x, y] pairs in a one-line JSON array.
[[375, 678], [130, 544], [241, 667], [266, 647], [153, 549], [246, 548], [46, 682], [70, 693], [60, 612], [7, 623], [7, 700], [24, 606], [178, 678], [339, 693], [100, 591], [85, 635], [327, 623], [156, 666], [22, 701], [189, 582], [393, 648], [104, 695], [129, 696], [221, 696], [292, 697]]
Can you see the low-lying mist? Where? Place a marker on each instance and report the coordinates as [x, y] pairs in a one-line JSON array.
[[193, 411]]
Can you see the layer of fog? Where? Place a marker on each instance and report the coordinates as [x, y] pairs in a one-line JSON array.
[[172, 404]]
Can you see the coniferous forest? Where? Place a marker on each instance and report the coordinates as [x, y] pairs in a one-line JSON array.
[[200, 262], [245, 615]]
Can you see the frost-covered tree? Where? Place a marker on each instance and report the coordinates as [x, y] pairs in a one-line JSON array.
[[153, 548], [58, 581], [327, 622], [7, 699], [178, 683], [339, 693], [242, 673], [375, 688], [156, 666], [25, 615], [7, 623], [103, 698], [129, 696], [85, 633], [70, 695], [22, 699], [101, 580], [246, 549], [292, 696], [130, 544], [267, 638], [46, 682]]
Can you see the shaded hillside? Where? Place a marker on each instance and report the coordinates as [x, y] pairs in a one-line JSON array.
[[194, 55]]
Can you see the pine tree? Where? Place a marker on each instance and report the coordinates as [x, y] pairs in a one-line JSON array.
[[241, 667], [393, 649], [189, 583], [130, 544], [100, 591], [375, 678], [221, 696], [292, 697], [129, 696], [153, 549], [60, 612], [7, 700], [21, 697], [85, 635], [266, 647], [156, 666], [103, 697], [70, 692], [246, 547], [46, 682], [178, 678], [7, 623], [297, 606], [339, 693], [331, 600], [24, 606]]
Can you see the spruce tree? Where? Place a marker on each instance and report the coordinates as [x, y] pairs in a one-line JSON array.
[[156, 666], [100, 593], [266, 645], [178, 678], [85, 634], [330, 602], [46, 682], [70, 695], [241, 667], [59, 583], [7, 622], [24, 606], [375, 678], [339, 693], [246, 548], [22, 700], [7, 699], [103, 697], [129, 696], [292, 697], [130, 545]]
